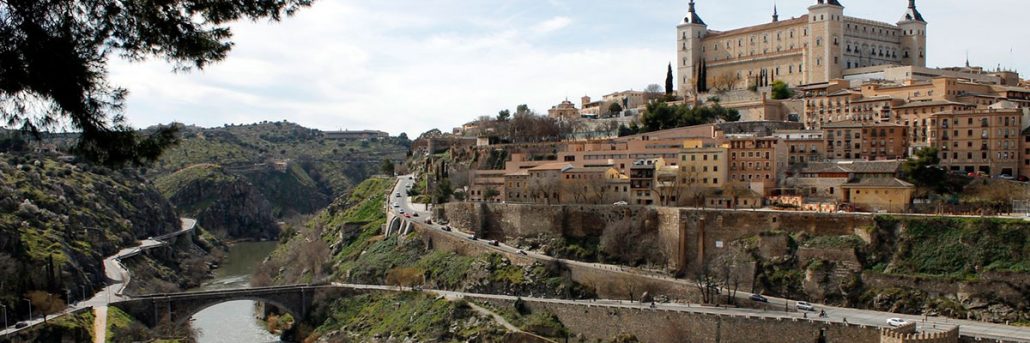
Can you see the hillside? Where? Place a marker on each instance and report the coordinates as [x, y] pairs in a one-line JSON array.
[[207, 192], [298, 169], [58, 220], [344, 243]]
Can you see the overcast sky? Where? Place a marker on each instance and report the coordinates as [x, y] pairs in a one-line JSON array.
[[413, 65]]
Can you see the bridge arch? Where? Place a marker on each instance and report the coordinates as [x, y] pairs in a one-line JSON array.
[[177, 309], [394, 226]]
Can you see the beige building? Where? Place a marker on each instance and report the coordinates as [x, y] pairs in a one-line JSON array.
[[565, 110], [980, 141], [879, 195], [756, 163], [848, 140], [803, 146], [818, 46]]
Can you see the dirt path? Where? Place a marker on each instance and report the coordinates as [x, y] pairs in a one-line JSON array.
[[100, 324]]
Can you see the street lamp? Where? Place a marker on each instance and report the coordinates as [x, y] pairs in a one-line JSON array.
[[30, 307], [4, 307]]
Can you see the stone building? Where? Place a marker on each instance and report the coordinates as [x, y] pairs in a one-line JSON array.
[[803, 146], [818, 46], [565, 110]]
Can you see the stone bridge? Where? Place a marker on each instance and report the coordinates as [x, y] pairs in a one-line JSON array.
[[177, 309], [396, 224]]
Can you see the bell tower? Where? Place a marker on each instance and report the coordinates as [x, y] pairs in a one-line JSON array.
[[823, 61]]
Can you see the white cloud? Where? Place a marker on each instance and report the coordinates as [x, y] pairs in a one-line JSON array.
[[551, 25]]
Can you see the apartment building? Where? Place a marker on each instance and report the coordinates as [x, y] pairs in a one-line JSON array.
[[756, 163], [980, 141], [865, 141], [803, 146]]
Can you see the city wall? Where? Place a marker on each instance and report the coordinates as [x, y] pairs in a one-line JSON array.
[[687, 237], [666, 326]]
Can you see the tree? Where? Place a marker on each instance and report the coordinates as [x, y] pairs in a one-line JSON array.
[[923, 170], [615, 109], [403, 137], [523, 109], [669, 81], [653, 92], [386, 167], [443, 192], [725, 81], [780, 90], [503, 115], [54, 54]]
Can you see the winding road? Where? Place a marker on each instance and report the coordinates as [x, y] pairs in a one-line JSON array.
[[119, 278], [775, 308]]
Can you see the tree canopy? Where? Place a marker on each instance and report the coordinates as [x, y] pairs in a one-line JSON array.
[[662, 116], [780, 90], [923, 170], [54, 55]]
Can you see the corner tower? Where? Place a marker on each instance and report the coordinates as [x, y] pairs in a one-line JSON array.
[[825, 32], [913, 37], [690, 41]]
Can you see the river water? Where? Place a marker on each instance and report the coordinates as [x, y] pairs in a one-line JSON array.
[[234, 321]]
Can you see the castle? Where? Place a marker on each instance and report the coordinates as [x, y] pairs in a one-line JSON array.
[[819, 46]]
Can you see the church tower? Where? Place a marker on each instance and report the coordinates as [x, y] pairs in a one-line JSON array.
[[690, 38], [825, 33], [913, 37]]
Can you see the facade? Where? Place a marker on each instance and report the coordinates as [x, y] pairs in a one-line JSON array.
[[803, 146], [756, 163], [865, 141], [879, 194], [980, 141], [486, 185], [816, 47], [565, 110]]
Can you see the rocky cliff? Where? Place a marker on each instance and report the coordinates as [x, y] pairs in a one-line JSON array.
[[227, 204], [59, 219]]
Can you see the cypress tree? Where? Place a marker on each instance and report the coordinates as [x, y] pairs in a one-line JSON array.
[[668, 81]]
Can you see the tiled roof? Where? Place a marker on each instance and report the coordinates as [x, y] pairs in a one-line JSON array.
[[878, 182], [931, 103], [857, 167], [551, 166]]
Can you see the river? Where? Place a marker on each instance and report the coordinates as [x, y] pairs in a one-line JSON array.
[[234, 321]]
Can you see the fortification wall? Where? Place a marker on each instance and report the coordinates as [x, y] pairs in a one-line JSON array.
[[664, 326]]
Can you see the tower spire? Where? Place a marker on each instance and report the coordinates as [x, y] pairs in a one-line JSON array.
[[912, 13], [693, 18], [776, 14]]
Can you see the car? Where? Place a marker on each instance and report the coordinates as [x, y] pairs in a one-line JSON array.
[[1006, 177], [896, 322], [1022, 178], [409, 178], [621, 203], [495, 243], [429, 221], [446, 228], [472, 238], [414, 214], [21, 325], [521, 252], [759, 298], [407, 216], [397, 195], [396, 205], [804, 306], [401, 211]]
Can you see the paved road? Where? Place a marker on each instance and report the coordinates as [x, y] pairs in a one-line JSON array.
[[117, 274], [835, 314]]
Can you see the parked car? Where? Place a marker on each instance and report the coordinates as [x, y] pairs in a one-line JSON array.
[[896, 322], [804, 306], [396, 205], [521, 252], [21, 325], [407, 216], [429, 221], [621, 203], [1006, 177], [472, 238], [414, 214], [1022, 178], [759, 298], [401, 211]]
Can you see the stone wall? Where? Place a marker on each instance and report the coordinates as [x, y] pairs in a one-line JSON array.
[[907, 334], [665, 326], [687, 237]]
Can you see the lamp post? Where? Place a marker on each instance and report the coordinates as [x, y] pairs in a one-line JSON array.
[[4, 307], [30, 307]]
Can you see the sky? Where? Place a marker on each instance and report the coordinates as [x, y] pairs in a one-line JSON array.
[[414, 65]]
